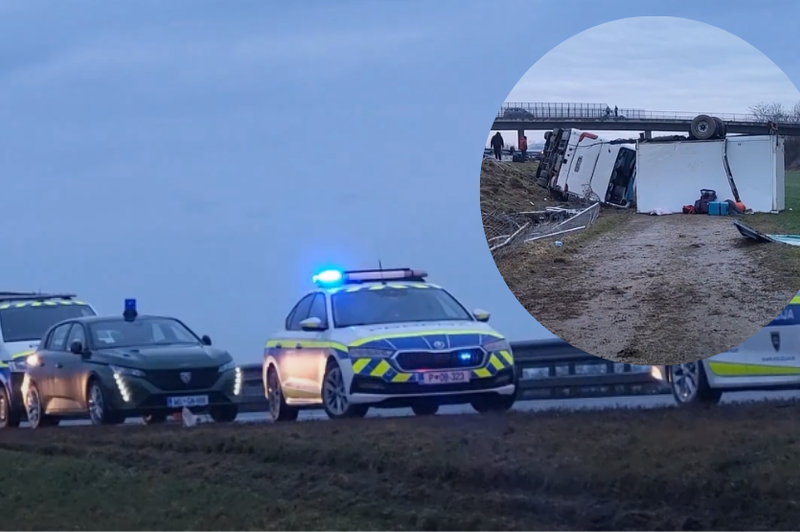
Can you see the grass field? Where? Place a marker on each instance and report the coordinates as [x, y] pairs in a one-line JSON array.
[[733, 467]]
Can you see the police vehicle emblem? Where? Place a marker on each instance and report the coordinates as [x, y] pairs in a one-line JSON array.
[[186, 377], [438, 344], [776, 341]]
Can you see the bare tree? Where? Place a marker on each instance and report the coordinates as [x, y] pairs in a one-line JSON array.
[[776, 112]]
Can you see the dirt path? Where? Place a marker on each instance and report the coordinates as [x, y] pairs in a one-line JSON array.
[[664, 290]]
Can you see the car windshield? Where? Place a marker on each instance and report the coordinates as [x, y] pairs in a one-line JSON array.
[[28, 321], [395, 305], [141, 332]]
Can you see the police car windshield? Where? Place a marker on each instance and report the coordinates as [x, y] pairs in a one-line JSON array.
[[27, 321], [395, 305], [142, 332]]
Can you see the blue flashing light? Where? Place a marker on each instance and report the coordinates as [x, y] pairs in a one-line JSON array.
[[328, 277], [465, 357], [130, 304]]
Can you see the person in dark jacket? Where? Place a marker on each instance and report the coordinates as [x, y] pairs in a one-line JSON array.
[[497, 146]]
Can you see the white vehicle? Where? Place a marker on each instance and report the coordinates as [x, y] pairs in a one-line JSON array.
[[24, 318], [769, 360], [386, 339]]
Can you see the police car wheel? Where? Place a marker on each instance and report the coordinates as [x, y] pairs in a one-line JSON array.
[[8, 417], [425, 409], [488, 404], [278, 409], [335, 399], [224, 413], [689, 385]]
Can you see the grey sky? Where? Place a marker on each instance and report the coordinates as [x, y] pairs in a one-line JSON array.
[[654, 63]]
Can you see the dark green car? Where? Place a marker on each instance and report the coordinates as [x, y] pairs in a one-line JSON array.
[[107, 369]]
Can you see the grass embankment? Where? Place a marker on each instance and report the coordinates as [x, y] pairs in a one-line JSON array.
[[783, 261], [733, 467]]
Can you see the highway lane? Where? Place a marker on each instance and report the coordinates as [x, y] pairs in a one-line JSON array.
[[649, 401]]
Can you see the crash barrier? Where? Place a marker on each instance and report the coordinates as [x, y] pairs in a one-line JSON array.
[[547, 369]]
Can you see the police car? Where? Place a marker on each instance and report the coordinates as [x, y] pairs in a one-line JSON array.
[[24, 318], [386, 339], [769, 360]]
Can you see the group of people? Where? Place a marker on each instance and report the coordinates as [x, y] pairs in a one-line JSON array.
[[608, 111], [498, 144]]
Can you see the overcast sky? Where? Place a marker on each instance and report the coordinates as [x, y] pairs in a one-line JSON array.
[[658, 64], [208, 157]]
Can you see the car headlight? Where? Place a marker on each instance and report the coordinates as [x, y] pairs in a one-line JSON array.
[[128, 372], [369, 352], [227, 366], [497, 345], [18, 366]]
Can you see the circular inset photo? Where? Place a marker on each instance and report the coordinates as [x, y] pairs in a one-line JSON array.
[[640, 191]]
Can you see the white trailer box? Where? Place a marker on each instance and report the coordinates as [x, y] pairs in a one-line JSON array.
[[670, 174]]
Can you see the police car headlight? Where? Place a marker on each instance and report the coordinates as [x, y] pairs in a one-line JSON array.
[[361, 352], [18, 366], [497, 345]]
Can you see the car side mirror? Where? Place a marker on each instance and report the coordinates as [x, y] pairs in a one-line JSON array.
[[76, 347], [206, 339], [312, 324], [481, 315]]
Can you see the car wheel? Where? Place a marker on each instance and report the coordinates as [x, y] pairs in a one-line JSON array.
[[154, 419], [33, 406], [9, 418], [335, 399], [493, 403], [690, 386], [278, 409], [99, 410], [425, 409], [224, 413], [703, 127]]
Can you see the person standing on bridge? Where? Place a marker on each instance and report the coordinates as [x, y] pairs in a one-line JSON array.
[[616, 111], [497, 146]]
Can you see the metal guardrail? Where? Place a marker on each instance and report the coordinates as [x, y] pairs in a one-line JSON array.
[[548, 369], [526, 111]]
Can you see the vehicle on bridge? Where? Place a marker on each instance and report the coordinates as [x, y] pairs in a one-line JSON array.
[[385, 339], [109, 368], [769, 360], [24, 319]]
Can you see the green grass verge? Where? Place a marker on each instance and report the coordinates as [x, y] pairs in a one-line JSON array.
[[731, 467]]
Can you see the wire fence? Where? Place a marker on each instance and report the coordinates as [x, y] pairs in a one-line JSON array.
[[506, 232], [600, 111]]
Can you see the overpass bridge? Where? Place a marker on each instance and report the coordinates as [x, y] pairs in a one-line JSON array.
[[593, 116]]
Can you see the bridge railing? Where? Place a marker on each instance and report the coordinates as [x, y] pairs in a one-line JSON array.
[[548, 369], [577, 111]]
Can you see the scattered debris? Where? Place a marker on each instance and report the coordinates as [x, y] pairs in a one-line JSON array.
[[753, 234]]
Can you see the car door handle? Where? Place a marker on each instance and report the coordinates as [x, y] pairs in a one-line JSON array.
[[299, 346]]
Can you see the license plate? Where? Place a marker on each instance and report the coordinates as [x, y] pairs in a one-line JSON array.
[[189, 401], [445, 377]]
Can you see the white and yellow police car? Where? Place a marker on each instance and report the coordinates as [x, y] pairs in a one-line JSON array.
[[386, 339], [769, 360]]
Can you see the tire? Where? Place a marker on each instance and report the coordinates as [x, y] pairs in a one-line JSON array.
[[703, 127], [33, 407], [100, 412], [722, 129], [425, 409], [335, 398], [278, 409], [156, 418], [9, 416], [689, 385], [493, 403], [224, 413]]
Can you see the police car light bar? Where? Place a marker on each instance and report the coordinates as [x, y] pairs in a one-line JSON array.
[[335, 277]]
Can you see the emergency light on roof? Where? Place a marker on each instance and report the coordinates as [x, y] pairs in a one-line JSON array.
[[336, 277], [130, 312]]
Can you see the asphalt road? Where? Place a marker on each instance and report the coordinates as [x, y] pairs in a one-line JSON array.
[[650, 401]]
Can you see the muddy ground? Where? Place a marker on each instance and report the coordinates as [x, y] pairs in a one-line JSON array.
[[733, 467], [654, 290]]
